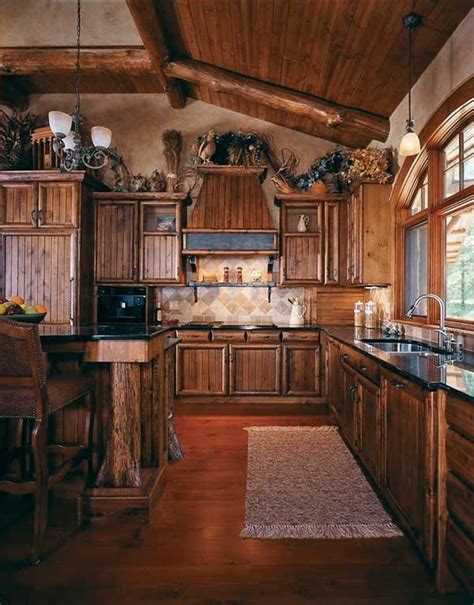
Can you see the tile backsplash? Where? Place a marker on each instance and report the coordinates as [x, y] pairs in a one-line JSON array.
[[231, 305]]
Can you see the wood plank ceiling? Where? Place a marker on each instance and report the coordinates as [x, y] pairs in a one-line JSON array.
[[351, 52]]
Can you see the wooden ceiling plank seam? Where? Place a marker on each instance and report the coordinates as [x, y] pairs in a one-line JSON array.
[[146, 18], [264, 29], [199, 26], [212, 27], [280, 19], [236, 20]]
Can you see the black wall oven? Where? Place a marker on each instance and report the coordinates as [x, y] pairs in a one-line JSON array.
[[122, 304]]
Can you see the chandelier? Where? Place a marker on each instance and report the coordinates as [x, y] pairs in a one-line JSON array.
[[66, 128]]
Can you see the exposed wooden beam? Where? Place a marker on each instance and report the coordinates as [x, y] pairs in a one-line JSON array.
[[335, 117], [147, 22], [11, 94], [116, 60]]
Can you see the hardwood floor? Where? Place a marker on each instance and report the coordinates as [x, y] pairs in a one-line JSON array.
[[192, 554]]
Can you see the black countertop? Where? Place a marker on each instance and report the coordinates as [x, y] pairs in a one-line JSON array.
[[431, 372], [66, 333]]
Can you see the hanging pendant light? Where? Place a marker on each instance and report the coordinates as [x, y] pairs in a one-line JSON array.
[[410, 143], [67, 142]]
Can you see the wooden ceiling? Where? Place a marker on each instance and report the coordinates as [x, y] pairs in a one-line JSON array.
[[349, 53]]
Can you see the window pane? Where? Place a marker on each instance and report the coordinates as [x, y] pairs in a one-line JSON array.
[[468, 156], [468, 171], [451, 167], [460, 264], [451, 181], [415, 265], [451, 153], [420, 201]]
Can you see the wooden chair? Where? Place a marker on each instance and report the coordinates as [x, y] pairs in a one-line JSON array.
[[25, 393]]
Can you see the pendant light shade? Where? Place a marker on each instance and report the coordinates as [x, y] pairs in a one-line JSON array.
[[60, 122], [101, 136], [410, 144]]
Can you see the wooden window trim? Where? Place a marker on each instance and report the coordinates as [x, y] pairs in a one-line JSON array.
[[447, 122]]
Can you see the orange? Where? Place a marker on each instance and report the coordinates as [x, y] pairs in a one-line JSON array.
[[18, 300], [41, 309]]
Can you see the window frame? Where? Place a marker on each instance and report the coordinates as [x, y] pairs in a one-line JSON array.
[[430, 162]]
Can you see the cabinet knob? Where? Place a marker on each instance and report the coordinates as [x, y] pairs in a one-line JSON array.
[[362, 368], [397, 385], [34, 219]]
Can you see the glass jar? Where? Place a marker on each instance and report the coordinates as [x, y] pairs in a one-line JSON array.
[[370, 315], [359, 314]]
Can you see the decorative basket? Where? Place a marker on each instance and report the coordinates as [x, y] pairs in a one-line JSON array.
[[44, 157]]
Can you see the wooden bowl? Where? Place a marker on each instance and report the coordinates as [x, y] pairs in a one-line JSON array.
[[32, 318]]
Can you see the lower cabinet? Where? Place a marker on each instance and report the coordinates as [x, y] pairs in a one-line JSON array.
[[409, 466], [368, 431], [202, 369], [302, 372], [254, 369], [334, 378], [350, 402]]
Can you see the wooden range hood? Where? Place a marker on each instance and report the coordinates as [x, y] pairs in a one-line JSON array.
[[231, 214]]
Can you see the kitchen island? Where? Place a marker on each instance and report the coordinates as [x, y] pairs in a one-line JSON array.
[[130, 439]]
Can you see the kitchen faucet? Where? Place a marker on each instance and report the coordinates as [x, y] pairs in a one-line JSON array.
[[445, 338]]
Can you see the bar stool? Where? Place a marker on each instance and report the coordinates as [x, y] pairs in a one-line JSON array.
[[25, 393]]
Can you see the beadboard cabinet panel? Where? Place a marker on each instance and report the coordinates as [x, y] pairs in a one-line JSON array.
[[41, 268], [18, 203], [201, 369], [58, 205], [301, 369], [116, 245], [255, 369], [160, 262], [303, 259]]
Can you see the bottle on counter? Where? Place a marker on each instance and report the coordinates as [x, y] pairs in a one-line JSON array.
[[359, 314], [158, 315], [370, 315]]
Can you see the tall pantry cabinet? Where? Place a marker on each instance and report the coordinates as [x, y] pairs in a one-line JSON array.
[[46, 241]]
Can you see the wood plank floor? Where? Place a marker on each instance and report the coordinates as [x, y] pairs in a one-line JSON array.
[[192, 554]]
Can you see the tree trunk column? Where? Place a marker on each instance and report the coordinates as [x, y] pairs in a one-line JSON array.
[[121, 466]]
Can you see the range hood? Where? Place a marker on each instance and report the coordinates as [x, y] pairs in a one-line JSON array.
[[231, 214]]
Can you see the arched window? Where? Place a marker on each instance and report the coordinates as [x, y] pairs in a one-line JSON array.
[[434, 217]]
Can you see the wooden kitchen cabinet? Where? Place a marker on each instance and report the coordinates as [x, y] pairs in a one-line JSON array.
[[146, 229], [368, 233], [116, 242], [334, 378], [255, 369], [408, 474], [368, 432], [202, 369], [350, 404], [46, 256], [301, 369]]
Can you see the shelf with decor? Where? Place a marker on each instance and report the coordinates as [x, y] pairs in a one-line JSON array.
[[205, 284]]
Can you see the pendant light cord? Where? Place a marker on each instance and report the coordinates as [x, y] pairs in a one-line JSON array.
[[410, 121], [78, 62]]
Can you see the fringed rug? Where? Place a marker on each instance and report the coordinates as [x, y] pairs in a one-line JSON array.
[[302, 482]]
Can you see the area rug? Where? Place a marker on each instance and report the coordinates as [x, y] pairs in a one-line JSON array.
[[302, 482]]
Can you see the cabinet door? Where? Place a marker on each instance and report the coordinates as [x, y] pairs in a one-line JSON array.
[[409, 458], [303, 259], [335, 379], [331, 237], [116, 245], [354, 240], [301, 370], [41, 269], [202, 369], [369, 434], [18, 205], [160, 243], [350, 401], [255, 369], [58, 205]]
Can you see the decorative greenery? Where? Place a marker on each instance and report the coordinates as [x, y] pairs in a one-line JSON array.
[[15, 140], [236, 148], [334, 162]]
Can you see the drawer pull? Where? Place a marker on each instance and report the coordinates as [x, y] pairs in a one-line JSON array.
[[397, 385], [345, 357], [363, 368]]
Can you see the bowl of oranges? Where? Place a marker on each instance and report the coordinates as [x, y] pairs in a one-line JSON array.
[[16, 308]]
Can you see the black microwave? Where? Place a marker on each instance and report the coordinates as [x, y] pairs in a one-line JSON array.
[[122, 304]]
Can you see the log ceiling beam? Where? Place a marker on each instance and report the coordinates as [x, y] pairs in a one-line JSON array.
[[147, 22], [50, 60], [337, 118]]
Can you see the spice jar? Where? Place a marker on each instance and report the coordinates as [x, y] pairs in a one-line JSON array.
[[239, 275], [359, 314], [370, 315], [226, 274]]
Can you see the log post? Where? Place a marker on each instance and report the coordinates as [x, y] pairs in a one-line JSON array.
[[121, 465]]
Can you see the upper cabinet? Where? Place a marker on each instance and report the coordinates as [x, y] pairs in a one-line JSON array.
[[138, 238], [368, 229], [310, 231]]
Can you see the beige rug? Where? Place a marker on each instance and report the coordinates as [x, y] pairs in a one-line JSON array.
[[302, 482]]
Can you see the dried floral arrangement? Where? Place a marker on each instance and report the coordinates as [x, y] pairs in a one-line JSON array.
[[368, 164], [172, 145], [231, 148], [15, 140]]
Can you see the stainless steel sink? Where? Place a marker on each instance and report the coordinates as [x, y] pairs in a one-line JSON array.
[[401, 346]]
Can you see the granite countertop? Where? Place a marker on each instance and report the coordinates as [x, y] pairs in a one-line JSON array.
[[431, 372], [219, 325], [67, 333]]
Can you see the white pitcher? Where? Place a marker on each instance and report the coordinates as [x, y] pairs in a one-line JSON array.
[[303, 223], [297, 313]]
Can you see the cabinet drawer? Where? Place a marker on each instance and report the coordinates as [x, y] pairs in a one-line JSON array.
[[461, 502], [263, 336], [460, 415], [362, 364], [460, 456], [301, 336], [228, 336], [193, 335], [460, 554]]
